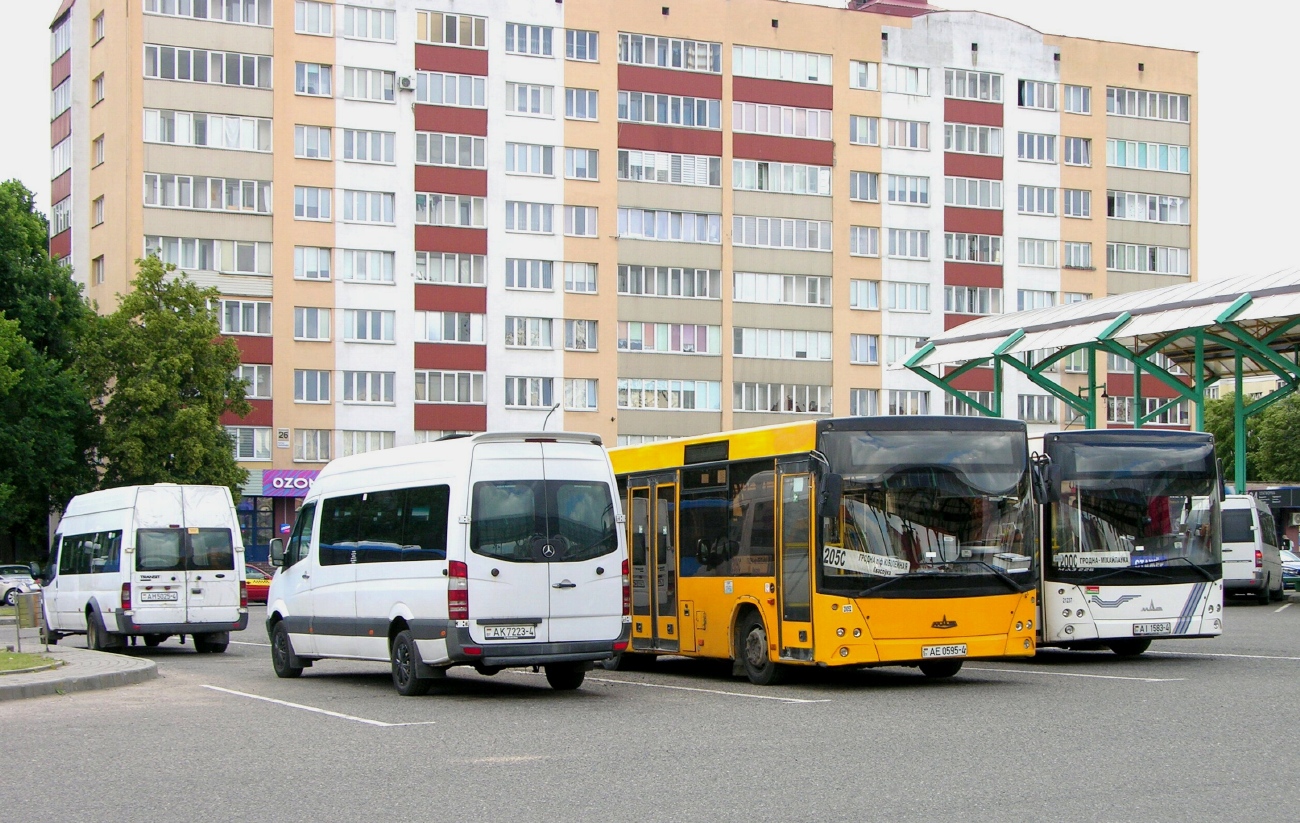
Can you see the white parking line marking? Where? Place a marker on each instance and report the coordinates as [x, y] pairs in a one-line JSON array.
[[326, 712], [1225, 654], [777, 698], [1078, 674], [246, 643], [1282, 608]]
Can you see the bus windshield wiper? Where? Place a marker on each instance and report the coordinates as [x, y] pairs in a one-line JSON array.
[[889, 582], [1137, 569], [1211, 578], [1003, 576]]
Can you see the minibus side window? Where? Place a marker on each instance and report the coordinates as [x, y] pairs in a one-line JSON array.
[[300, 541], [338, 529], [379, 526], [107, 553], [425, 535]]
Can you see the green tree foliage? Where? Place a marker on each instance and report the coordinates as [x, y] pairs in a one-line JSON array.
[[1277, 449], [167, 378], [1219, 422]]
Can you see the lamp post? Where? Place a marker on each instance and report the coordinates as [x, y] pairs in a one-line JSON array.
[[547, 418]]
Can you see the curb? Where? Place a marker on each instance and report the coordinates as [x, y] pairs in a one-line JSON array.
[[48, 667], [147, 670]]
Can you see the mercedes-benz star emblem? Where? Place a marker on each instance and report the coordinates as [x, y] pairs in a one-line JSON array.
[[548, 550]]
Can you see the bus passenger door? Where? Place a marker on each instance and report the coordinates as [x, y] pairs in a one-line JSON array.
[[794, 561], [652, 544]]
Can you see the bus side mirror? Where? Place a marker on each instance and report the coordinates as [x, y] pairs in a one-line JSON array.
[[1047, 483], [1223, 491], [832, 494], [277, 551]]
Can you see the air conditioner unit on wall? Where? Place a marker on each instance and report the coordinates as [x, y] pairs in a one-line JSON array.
[[1295, 518], [405, 83]]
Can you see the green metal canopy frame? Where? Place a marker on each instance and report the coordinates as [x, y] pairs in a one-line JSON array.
[[1187, 337]]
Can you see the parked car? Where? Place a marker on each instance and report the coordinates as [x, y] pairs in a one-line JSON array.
[[1290, 569], [258, 583], [16, 580]]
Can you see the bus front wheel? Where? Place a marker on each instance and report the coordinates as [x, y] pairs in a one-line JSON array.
[[940, 668], [1130, 648], [753, 650]]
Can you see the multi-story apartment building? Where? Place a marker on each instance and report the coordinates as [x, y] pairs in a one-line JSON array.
[[641, 219]]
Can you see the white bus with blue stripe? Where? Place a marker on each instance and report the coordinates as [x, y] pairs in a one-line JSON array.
[[1132, 539]]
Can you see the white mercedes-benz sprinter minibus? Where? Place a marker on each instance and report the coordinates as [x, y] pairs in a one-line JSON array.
[[151, 561], [489, 550]]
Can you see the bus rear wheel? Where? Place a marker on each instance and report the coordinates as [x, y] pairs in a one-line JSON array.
[[565, 677], [1129, 647], [405, 659], [752, 648], [936, 669]]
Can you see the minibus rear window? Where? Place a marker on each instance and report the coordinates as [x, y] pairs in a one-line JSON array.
[[159, 550], [167, 550], [210, 549], [542, 521], [1237, 526]]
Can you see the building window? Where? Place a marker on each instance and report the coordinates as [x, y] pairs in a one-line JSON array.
[[97, 150], [461, 210], [1175, 415], [972, 193], [772, 64], [528, 392], [580, 221], [61, 98], [781, 233], [1148, 208], [972, 300], [372, 387], [864, 402], [97, 270], [250, 442], [1078, 256], [908, 191], [580, 395], [670, 281], [781, 344], [313, 18], [97, 211], [311, 386], [460, 90], [367, 206], [257, 381], [785, 178], [1077, 203], [903, 402], [782, 121], [534, 100], [685, 395], [580, 335], [972, 85], [864, 349], [451, 29], [1037, 200], [864, 75], [360, 442], [864, 186], [670, 338], [61, 216], [580, 278], [864, 241], [311, 203], [200, 66], [1078, 151], [249, 317], [451, 268], [369, 24], [906, 79], [1119, 409], [899, 349], [669, 53], [530, 40], [365, 266], [465, 387], [1035, 94], [1027, 299], [914, 297], [909, 244], [1131, 154], [1150, 105], [314, 79], [660, 167], [964, 139], [312, 142], [368, 326], [582, 164], [534, 218], [215, 131], [528, 332], [864, 131], [226, 256], [61, 157], [671, 226], [311, 323], [248, 12], [972, 248], [368, 84], [864, 295], [959, 407], [1078, 99], [311, 263], [1036, 408], [531, 275], [312, 445], [528, 158], [907, 134], [97, 89], [781, 397], [1147, 259], [669, 110], [781, 289], [61, 38], [1038, 253], [1036, 147], [1075, 297], [581, 45], [375, 146]]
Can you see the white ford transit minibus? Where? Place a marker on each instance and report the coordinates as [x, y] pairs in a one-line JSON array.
[[152, 561], [491, 550]]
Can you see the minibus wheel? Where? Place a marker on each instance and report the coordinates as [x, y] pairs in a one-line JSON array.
[[565, 677], [282, 653], [153, 640], [405, 658], [214, 643]]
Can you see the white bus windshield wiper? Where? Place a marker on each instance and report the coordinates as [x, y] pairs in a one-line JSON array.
[[1186, 560]]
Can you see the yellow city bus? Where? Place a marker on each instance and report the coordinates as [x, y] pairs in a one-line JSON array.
[[853, 542]]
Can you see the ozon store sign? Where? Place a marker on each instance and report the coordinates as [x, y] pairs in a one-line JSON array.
[[287, 482]]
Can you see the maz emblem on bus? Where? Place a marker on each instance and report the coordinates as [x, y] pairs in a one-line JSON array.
[[945, 623]]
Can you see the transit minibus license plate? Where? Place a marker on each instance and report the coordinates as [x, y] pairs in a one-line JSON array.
[[509, 632], [146, 597], [952, 650], [1140, 629]]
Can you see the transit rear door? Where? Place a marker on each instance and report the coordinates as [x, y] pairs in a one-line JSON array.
[[212, 567], [159, 593]]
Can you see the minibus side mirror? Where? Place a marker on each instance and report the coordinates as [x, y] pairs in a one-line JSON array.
[[277, 551], [37, 574]]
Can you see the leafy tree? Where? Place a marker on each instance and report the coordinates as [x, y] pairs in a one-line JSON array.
[[1276, 450], [166, 378], [1219, 422]]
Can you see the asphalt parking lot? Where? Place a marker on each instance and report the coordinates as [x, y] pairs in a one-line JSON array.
[[1192, 730]]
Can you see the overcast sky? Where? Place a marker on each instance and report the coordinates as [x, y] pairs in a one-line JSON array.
[[1245, 126]]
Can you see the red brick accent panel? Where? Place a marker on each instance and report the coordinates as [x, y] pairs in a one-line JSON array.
[[1121, 385], [973, 380], [450, 417], [783, 149], [442, 238], [450, 356], [972, 165], [972, 274], [260, 415], [61, 186], [669, 139], [254, 349], [60, 127], [451, 59], [972, 111], [973, 221], [435, 297], [60, 70], [451, 181], [669, 81], [61, 244], [781, 92], [451, 119]]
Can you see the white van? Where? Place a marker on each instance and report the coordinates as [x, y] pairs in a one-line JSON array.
[[490, 550], [151, 561], [1252, 561]]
